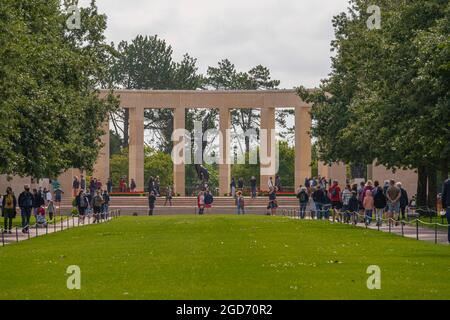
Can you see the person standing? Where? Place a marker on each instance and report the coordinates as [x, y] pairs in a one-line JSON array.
[[109, 185], [58, 196], [82, 182], [169, 195], [270, 184], [26, 205], [97, 203], [240, 203], [151, 202], [404, 201], [51, 210], [393, 195], [105, 205], [233, 187], [157, 189], [380, 202], [368, 206], [132, 185], [92, 187], [303, 200], [278, 183], [201, 202], [319, 201], [446, 203], [353, 206], [82, 203], [335, 197], [9, 205], [253, 186], [241, 184], [346, 195], [273, 204], [75, 186]]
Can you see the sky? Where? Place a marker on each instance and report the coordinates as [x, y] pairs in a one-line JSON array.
[[290, 37]]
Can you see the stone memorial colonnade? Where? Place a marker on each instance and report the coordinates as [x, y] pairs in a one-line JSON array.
[[267, 101]]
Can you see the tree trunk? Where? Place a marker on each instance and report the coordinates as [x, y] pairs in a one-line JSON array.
[[422, 186], [432, 188], [126, 120]]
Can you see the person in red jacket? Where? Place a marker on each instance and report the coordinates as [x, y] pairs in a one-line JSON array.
[[335, 197]]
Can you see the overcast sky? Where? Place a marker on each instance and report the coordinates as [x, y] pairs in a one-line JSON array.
[[290, 37]]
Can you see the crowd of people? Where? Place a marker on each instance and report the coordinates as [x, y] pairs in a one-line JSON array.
[[323, 199], [39, 203], [368, 199]]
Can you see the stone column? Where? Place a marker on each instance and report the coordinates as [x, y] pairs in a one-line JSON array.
[[302, 145], [136, 148], [268, 124], [224, 147], [101, 167], [179, 171]]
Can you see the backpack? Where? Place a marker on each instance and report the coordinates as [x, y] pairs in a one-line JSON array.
[[9, 202], [209, 199], [28, 200], [333, 193], [302, 197]]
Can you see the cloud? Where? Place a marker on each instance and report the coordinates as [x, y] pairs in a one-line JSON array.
[[291, 37]]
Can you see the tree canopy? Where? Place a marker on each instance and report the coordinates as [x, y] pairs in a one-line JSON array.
[[50, 110]]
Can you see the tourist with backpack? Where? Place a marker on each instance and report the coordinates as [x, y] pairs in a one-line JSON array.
[[273, 204], [303, 200], [26, 205], [368, 204], [335, 197], [209, 199], [9, 205], [97, 203], [51, 210], [379, 202], [82, 203]]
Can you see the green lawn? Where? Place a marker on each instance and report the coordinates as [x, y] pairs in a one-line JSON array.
[[223, 257]]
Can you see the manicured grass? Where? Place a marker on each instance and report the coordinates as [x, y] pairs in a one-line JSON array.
[[223, 257]]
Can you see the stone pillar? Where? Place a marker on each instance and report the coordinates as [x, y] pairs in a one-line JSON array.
[[101, 167], [302, 145], [268, 124], [136, 148], [224, 147], [338, 171], [179, 171]]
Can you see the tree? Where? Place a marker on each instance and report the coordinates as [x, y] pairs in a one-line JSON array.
[[146, 63], [51, 111], [388, 90]]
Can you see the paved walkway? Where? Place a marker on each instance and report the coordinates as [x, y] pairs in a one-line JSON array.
[[71, 222], [409, 230]]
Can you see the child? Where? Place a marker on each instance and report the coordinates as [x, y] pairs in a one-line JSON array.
[[240, 203], [368, 204], [51, 210], [40, 218]]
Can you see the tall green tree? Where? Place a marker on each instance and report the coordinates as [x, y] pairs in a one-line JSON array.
[[387, 96], [51, 113]]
